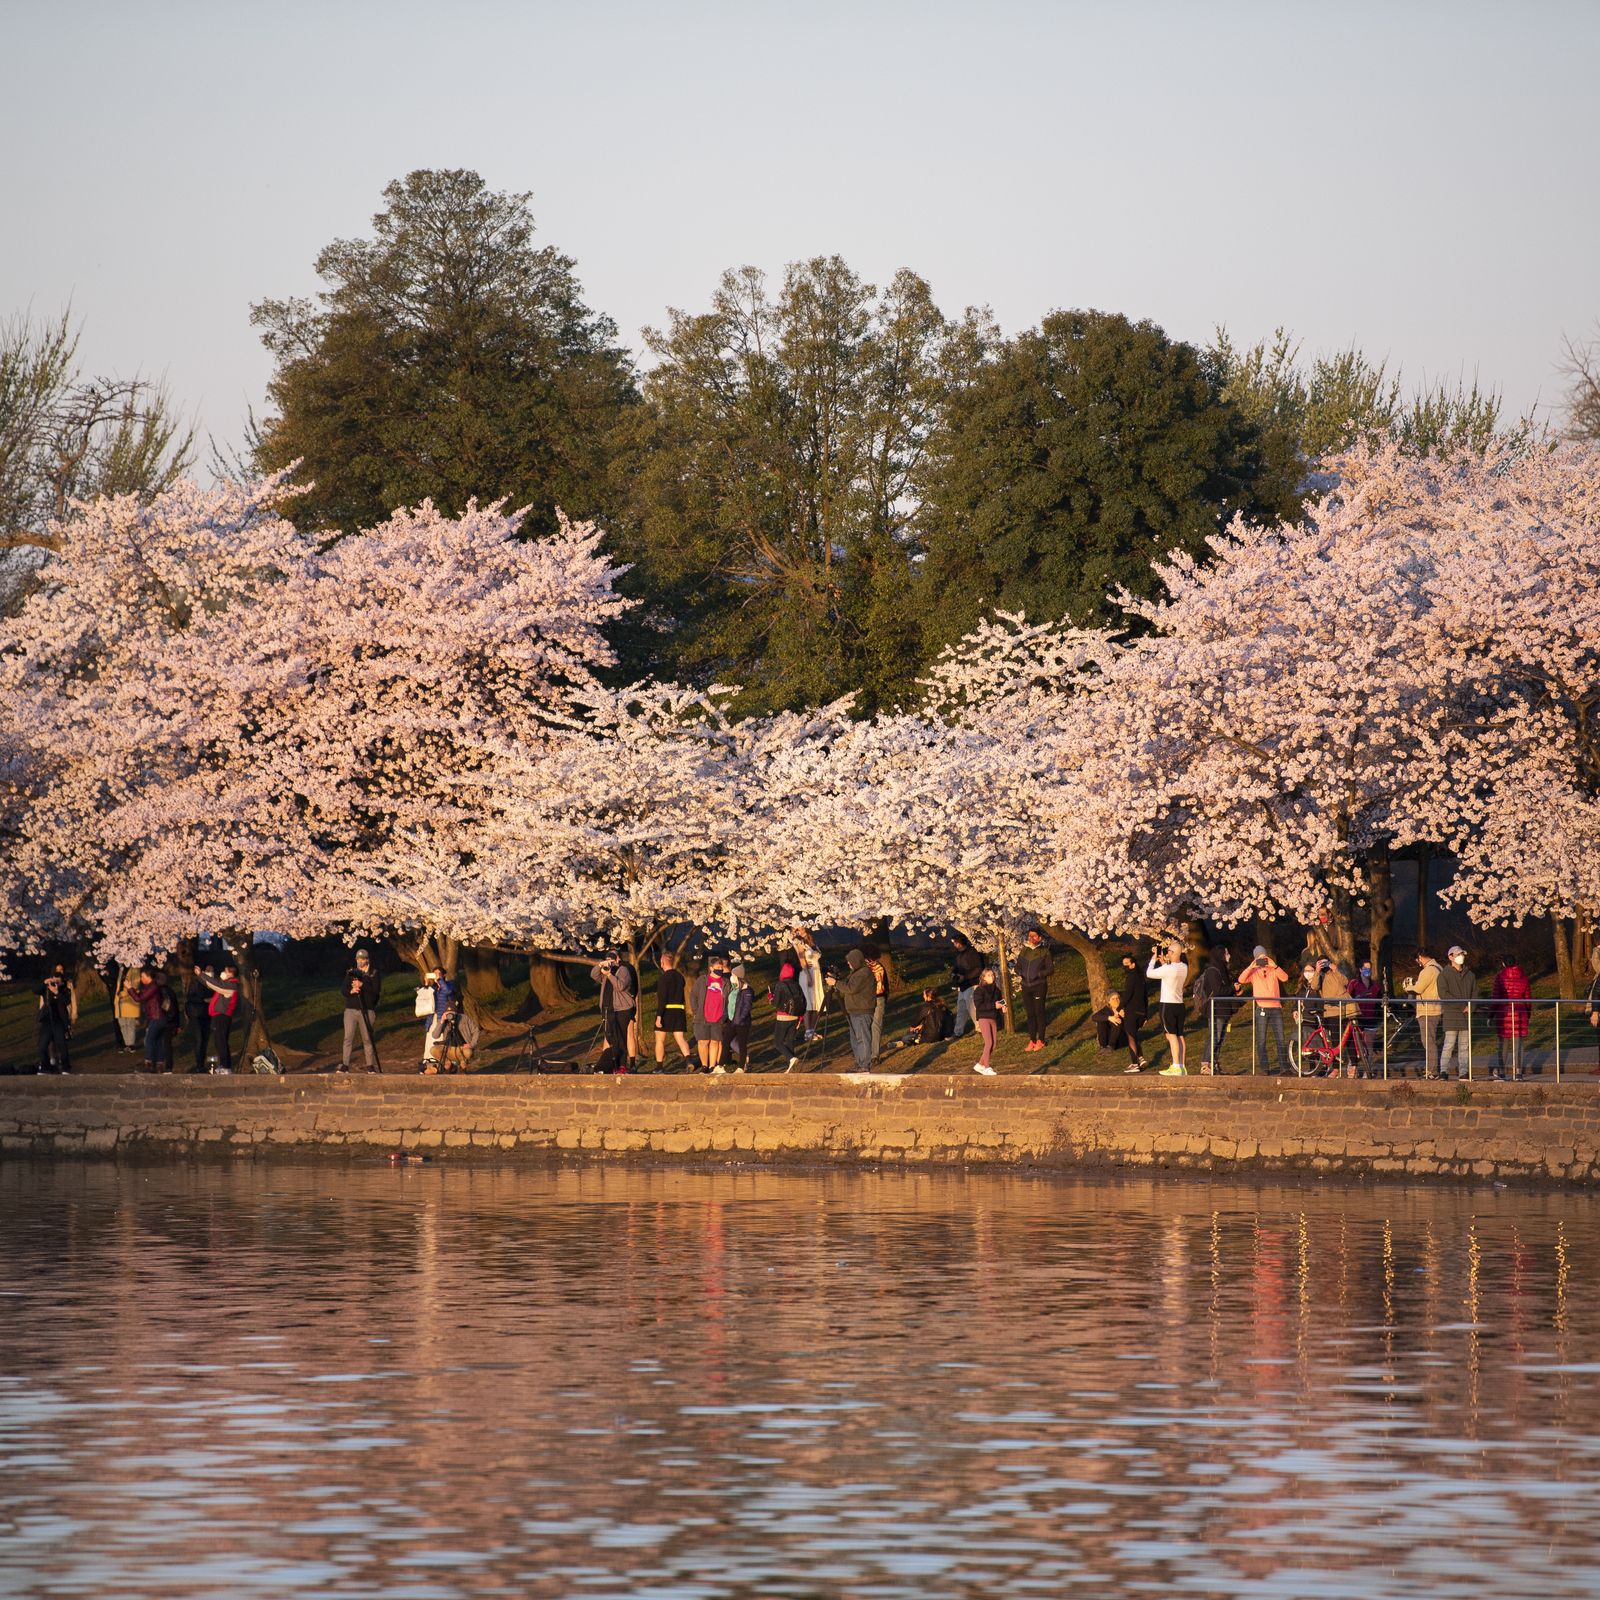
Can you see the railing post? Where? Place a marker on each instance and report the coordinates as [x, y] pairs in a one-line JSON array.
[[1469, 1045], [1383, 1028], [1255, 1033], [1558, 1038]]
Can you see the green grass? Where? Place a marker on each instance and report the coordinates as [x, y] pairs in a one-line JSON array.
[[304, 1011]]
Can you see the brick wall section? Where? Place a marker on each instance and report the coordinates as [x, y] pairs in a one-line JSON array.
[[1542, 1133]]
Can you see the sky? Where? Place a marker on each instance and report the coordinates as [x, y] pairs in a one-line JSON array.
[[1418, 178]]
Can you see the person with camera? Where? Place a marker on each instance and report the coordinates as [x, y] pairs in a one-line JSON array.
[[452, 1037], [362, 989], [619, 998], [966, 966], [1425, 988], [1172, 973], [159, 1007], [55, 1022], [1265, 980], [858, 996]]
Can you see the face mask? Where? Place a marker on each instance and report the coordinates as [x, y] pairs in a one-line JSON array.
[[1366, 972], [1458, 962]]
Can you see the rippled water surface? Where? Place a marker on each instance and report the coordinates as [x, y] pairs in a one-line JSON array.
[[425, 1383]]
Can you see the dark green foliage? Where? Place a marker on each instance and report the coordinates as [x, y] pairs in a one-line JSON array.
[[766, 483], [447, 358], [1086, 448]]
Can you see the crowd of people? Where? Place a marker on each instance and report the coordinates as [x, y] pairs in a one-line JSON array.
[[1336, 1009]]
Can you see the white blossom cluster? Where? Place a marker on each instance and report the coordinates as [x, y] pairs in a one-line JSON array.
[[209, 719]]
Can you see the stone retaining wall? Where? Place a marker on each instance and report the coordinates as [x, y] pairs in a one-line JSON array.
[[1541, 1133]]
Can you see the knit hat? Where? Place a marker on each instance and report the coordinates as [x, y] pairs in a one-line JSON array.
[[1259, 951]]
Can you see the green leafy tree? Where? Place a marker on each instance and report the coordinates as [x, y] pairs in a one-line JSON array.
[[1307, 411], [446, 358], [767, 482], [66, 435], [1086, 447]]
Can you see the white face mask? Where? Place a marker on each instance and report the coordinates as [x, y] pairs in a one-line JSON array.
[[1458, 961]]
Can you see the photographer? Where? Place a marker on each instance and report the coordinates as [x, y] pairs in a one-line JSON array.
[[362, 987], [452, 1038], [966, 966], [1265, 980], [618, 1000], [55, 1023], [858, 995]]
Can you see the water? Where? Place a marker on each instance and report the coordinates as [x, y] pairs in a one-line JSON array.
[[430, 1383]]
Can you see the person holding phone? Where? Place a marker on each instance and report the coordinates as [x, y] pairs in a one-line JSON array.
[[1265, 980]]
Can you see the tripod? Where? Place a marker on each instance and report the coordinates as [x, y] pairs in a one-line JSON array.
[[531, 1057]]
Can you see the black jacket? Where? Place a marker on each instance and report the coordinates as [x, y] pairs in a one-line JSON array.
[[1035, 966], [197, 999], [1136, 993], [986, 1001], [965, 967], [671, 990], [787, 998], [55, 1010], [931, 1021], [361, 989]]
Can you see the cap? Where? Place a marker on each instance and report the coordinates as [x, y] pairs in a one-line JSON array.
[[1456, 950]]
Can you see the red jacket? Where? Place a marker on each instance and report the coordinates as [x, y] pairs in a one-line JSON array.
[[1511, 985]]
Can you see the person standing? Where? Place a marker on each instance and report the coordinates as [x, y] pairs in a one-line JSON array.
[[1592, 997], [224, 1002], [1512, 993], [987, 1008], [617, 1002], [857, 994], [1035, 964], [736, 1030], [362, 989], [672, 1011], [55, 1024], [880, 994], [708, 1006], [1265, 980], [1425, 987], [1135, 1009], [125, 1007], [808, 971], [1213, 991], [159, 1010], [788, 1013], [439, 993], [1366, 989], [197, 1008], [1172, 974], [1458, 983], [966, 965]]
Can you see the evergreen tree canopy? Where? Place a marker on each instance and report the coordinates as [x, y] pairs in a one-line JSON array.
[[1087, 447], [767, 483], [447, 358]]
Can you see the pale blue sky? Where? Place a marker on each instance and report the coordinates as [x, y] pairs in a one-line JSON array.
[[1419, 177]]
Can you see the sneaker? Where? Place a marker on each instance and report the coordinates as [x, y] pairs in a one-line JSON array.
[[1132, 1068], [987, 1072], [1174, 1071], [719, 1071], [1497, 1076], [794, 1061]]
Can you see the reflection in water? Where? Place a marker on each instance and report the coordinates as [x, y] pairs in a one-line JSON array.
[[430, 1383]]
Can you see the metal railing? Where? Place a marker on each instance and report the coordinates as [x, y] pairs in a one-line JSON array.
[[1341, 1036]]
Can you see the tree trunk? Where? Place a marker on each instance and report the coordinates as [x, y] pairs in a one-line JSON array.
[[1575, 954], [1005, 978], [547, 982], [1094, 963], [256, 1035], [480, 968], [1196, 948], [87, 979], [1380, 909]]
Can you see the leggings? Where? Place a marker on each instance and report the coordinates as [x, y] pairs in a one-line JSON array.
[[1033, 998], [988, 1032], [785, 1036], [1130, 1032]]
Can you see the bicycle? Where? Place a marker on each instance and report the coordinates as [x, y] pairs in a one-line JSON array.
[[1328, 1058]]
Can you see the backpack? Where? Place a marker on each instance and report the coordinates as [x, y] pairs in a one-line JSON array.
[[716, 1000], [268, 1064]]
